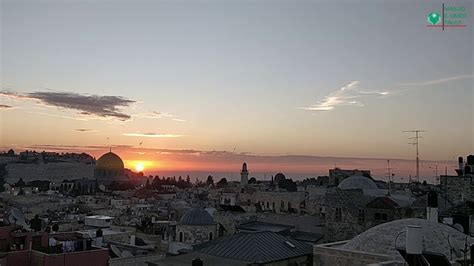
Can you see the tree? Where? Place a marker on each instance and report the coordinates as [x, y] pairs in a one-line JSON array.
[[147, 183], [210, 180], [55, 227], [253, 180], [222, 182], [188, 179]]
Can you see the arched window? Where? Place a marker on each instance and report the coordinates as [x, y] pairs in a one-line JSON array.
[[210, 236], [180, 236]]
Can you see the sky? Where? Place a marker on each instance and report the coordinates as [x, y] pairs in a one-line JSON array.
[[206, 85]]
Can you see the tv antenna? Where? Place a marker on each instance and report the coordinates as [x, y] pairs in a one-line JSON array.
[[390, 175], [416, 141]]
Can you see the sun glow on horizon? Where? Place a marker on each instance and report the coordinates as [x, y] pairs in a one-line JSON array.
[[140, 166]]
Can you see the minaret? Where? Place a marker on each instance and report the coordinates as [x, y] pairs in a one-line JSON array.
[[244, 175]]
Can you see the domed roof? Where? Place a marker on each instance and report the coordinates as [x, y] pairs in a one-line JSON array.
[[279, 177], [197, 216], [381, 238], [357, 182], [109, 160]]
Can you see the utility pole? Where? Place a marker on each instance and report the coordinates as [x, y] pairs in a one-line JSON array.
[[416, 141], [389, 175]]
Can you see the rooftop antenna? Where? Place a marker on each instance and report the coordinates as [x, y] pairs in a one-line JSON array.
[[416, 141], [389, 175]]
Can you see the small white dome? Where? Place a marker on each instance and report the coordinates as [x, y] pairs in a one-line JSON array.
[[357, 182]]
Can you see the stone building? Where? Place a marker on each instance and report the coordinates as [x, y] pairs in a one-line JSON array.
[[357, 204], [336, 175], [457, 188], [196, 226], [277, 201], [246, 248]]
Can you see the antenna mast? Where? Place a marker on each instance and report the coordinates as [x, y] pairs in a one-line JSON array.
[[416, 141], [389, 173]]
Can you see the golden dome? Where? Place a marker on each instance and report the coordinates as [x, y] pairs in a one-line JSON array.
[[109, 161]]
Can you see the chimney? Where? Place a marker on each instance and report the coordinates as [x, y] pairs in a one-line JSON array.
[[132, 240], [414, 237]]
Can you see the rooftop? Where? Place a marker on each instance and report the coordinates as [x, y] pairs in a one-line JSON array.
[[258, 226], [100, 217], [255, 247], [381, 239]]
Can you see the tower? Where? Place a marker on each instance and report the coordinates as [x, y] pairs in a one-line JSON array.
[[244, 175]]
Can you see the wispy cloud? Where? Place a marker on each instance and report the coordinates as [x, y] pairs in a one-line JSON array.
[[158, 115], [4, 106], [86, 104], [162, 114], [151, 135], [348, 95], [85, 130], [437, 81]]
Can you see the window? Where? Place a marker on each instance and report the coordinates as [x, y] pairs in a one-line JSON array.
[[361, 217], [210, 236], [273, 206], [338, 215], [180, 236], [268, 205], [380, 216]]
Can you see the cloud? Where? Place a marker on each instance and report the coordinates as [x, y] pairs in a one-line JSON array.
[[4, 106], [151, 135], [86, 104], [348, 95], [78, 148], [159, 115], [85, 130], [162, 114], [437, 81]]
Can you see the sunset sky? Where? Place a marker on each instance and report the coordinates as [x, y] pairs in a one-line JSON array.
[[205, 85]]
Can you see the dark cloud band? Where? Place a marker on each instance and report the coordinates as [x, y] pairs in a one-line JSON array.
[[86, 104]]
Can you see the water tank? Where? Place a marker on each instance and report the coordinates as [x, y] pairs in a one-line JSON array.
[[470, 160], [432, 199], [468, 169], [414, 240], [461, 163]]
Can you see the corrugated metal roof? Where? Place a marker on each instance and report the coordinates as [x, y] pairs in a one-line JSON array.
[[255, 247]]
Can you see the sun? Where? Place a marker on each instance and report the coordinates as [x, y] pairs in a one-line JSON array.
[[140, 167]]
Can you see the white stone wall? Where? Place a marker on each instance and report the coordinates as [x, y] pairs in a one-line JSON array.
[[195, 234]]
